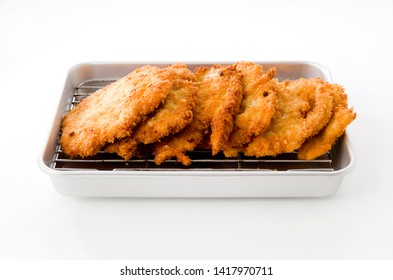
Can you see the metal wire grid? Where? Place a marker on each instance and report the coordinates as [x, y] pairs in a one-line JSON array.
[[201, 159]]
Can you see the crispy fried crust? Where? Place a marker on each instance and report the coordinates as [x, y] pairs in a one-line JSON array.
[[126, 147], [176, 112], [222, 91], [238, 108], [218, 101], [172, 116], [178, 144], [303, 108], [110, 113], [257, 106], [341, 118]]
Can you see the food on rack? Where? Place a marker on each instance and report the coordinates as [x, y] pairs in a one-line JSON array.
[[342, 116], [169, 112], [218, 100], [110, 113], [257, 106], [303, 108], [172, 116]]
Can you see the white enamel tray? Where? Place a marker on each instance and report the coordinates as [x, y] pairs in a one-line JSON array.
[[110, 176]]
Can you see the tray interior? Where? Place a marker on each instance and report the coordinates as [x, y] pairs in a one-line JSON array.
[[86, 79]]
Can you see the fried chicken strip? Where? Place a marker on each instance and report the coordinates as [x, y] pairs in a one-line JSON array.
[[172, 116], [218, 100], [341, 118], [303, 108], [111, 112]]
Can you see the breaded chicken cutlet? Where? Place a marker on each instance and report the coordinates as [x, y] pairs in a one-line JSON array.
[[218, 100], [342, 116], [172, 116], [111, 112], [240, 108], [257, 106], [303, 108]]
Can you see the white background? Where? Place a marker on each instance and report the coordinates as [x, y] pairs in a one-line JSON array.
[[40, 41]]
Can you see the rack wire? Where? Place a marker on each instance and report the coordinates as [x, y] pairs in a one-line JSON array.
[[201, 159]]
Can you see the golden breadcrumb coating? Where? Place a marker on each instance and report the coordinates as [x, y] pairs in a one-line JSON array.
[[342, 116], [257, 106], [176, 112], [218, 100], [238, 108], [172, 116], [111, 112], [303, 108]]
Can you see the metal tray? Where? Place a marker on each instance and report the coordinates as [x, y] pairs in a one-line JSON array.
[[107, 175]]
